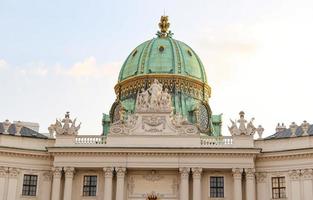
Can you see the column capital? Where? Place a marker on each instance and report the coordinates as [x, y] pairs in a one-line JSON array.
[[4, 171], [260, 177], [69, 172], [13, 172], [184, 172], [57, 172], [307, 174], [47, 176], [196, 172], [108, 172], [237, 173], [294, 175], [250, 173], [120, 172]]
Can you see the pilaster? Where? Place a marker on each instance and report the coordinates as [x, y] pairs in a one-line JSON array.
[[56, 185], [120, 178], [12, 185], [294, 176], [237, 174], [196, 175], [250, 183], [307, 177], [184, 183], [108, 175], [3, 175], [69, 174]]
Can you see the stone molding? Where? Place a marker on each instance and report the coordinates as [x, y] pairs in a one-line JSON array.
[[196, 172], [237, 173], [13, 172], [294, 175], [184, 172], [57, 172], [69, 172], [307, 174], [250, 173], [120, 172], [108, 172], [4, 171], [279, 156], [260, 177], [43, 155]]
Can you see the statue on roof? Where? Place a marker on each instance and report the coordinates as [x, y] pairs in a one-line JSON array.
[[65, 126], [245, 127]]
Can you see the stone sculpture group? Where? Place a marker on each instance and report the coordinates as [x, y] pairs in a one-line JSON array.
[[68, 127], [154, 99]]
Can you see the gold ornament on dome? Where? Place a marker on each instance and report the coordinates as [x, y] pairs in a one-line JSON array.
[[164, 24]]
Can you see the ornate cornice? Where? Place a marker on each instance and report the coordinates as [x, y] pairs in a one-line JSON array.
[[237, 173], [196, 172], [284, 156], [20, 154], [69, 172], [108, 172], [184, 172]]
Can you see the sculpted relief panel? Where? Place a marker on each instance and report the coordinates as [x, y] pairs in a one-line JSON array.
[[161, 184], [153, 116]]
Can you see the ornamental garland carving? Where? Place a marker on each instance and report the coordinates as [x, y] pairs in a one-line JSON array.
[[153, 176]]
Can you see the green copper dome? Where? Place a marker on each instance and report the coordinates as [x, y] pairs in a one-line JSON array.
[[163, 55]]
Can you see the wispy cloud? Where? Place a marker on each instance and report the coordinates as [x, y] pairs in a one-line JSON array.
[[3, 64]]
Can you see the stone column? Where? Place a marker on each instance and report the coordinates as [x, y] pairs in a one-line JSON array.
[[237, 174], [262, 190], [294, 176], [56, 185], [307, 175], [69, 174], [108, 175], [12, 186], [196, 175], [3, 175], [45, 188], [250, 184], [184, 183], [120, 178]]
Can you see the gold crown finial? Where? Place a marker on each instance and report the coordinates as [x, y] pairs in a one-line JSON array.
[[164, 24]]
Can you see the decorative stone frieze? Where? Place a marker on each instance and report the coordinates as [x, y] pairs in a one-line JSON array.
[[237, 173], [13, 172], [196, 172], [57, 172], [120, 172], [108, 172], [260, 177], [307, 174], [184, 172], [69, 172], [47, 176], [153, 176], [294, 175], [250, 173], [4, 171]]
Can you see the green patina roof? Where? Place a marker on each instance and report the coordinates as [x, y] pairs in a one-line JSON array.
[[163, 55]]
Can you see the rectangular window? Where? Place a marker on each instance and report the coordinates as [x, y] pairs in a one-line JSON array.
[[29, 185], [90, 186], [216, 186], [278, 187]]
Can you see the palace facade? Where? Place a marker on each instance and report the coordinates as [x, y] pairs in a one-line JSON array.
[[160, 141]]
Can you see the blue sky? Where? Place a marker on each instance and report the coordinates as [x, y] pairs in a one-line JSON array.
[[57, 56]]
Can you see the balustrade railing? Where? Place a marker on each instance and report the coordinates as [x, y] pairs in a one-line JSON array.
[[211, 141], [90, 139]]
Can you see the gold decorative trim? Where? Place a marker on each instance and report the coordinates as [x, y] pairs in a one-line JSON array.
[[185, 84]]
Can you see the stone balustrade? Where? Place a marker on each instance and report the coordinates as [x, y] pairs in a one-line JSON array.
[[210, 141], [90, 139]]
